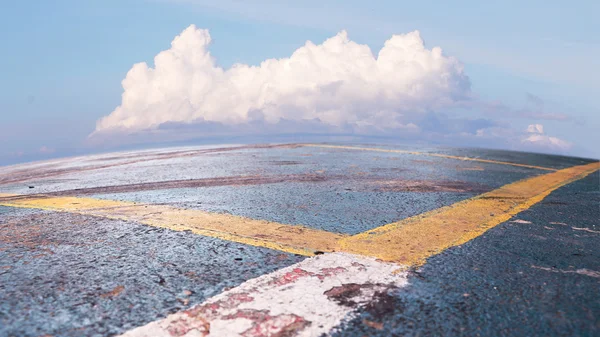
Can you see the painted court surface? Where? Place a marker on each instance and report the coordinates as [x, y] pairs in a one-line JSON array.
[[301, 240]]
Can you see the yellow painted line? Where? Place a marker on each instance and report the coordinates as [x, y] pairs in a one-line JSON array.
[[411, 241], [429, 154], [287, 238]]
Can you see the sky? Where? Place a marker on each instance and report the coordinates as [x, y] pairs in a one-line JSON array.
[[88, 76]]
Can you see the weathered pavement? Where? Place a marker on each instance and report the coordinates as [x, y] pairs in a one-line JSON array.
[[433, 242], [535, 275]]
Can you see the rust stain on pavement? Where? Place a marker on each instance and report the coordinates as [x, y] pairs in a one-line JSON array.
[[191, 183]]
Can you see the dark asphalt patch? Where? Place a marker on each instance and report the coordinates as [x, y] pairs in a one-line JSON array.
[[518, 279], [72, 275]]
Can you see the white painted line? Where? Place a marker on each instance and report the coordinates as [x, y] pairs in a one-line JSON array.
[[309, 298]]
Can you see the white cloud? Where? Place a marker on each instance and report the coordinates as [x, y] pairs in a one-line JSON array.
[[339, 87], [338, 83], [535, 128], [540, 141]]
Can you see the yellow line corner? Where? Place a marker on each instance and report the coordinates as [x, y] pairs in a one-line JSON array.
[[411, 241]]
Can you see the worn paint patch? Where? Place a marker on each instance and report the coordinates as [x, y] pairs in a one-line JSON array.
[[581, 271], [585, 230], [309, 298], [521, 221]]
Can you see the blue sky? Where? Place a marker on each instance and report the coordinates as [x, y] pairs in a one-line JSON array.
[[63, 61]]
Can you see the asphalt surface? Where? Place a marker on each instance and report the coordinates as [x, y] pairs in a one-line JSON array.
[[343, 191], [64, 274], [518, 279], [73, 275]]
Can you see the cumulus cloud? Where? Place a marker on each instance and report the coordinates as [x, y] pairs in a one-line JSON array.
[[338, 83], [338, 88], [537, 139]]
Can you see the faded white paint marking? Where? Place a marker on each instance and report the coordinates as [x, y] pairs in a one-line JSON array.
[[576, 228], [309, 298], [585, 230], [521, 221], [581, 271]]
